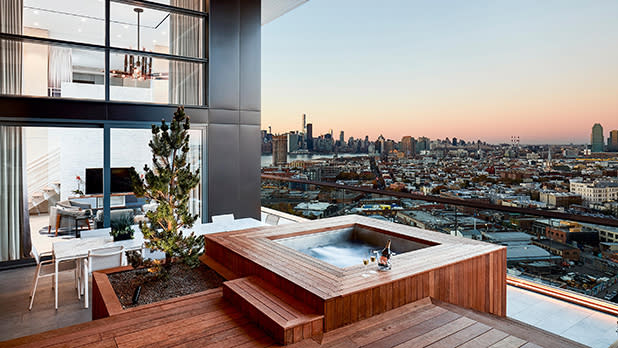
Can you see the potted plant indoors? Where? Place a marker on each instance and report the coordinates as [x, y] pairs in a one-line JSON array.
[[121, 228]]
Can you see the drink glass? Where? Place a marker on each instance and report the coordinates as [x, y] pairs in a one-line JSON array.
[[365, 262], [372, 258]]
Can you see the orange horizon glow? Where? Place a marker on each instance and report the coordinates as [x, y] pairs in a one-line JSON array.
[[546, 72]]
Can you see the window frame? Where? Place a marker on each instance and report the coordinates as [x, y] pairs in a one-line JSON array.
[[108, 49]]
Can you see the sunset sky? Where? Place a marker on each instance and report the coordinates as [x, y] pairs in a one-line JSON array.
[[545, 71]]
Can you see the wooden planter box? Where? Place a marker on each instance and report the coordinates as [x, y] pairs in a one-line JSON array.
[[105, 303]]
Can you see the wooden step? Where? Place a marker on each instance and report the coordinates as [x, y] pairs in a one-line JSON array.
[[286, 319]]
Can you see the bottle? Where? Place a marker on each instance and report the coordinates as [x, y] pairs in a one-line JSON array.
[[385, 256]]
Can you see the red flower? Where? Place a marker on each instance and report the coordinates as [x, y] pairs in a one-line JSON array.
[[78, 178]]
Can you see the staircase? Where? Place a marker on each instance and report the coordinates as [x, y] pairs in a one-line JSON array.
[[43, 178], [286, 319]]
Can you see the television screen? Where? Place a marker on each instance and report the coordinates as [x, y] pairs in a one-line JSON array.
[[120, 181], [94, 181]]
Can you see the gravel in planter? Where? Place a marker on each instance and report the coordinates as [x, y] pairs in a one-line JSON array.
[[182, 281]]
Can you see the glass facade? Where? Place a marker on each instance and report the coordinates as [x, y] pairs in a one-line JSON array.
[[83, 21], [88, 50], [169, 81], [55, 49], [129, 148]]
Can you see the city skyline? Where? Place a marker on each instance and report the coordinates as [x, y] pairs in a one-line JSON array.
[[602, 141], [544, 72]]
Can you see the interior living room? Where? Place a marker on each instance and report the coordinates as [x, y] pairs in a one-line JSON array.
[[92, 89]]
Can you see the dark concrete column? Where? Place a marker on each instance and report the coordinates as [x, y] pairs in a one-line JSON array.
[[234, 107]]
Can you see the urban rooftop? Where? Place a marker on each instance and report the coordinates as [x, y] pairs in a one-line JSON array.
[[141, 205]]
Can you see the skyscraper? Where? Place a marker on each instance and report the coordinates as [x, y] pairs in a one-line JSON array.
[[304, 129], [293, 141], [280, 149], [612, 141], [596, 138], [310, 136], [341, 138], [408, 145]]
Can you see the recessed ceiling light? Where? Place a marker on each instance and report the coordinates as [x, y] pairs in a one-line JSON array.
[[154, 41], [36, 12], [118, 36], [163, 33], [83, 19], [36, 24], [79, 30], [126, 26]]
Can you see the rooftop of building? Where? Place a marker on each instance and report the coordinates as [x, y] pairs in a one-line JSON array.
[[554, 244]]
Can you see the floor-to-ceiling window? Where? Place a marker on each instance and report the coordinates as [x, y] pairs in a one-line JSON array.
[[142, 52], [119, 50]]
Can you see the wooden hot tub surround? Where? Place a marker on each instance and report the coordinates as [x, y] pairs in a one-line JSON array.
[[464, 272]]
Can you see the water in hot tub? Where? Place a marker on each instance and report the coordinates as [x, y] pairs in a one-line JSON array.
[[342, 254]]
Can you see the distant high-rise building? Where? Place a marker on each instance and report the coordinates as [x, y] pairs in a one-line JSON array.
[[596, 138], [612, 141], [380, 144], [309, 136], [280, 149], [304, 129], [270, 131], [293, 141], [407, 145], [422, 144], [341, 137]]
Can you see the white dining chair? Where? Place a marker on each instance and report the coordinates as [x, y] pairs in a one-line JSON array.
[[97, 233], [272, 219], [47, 269], [103, 258], [223, 218], [100, 258]]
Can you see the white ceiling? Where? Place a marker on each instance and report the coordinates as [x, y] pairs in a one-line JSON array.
[[83, 21], [272, 9]]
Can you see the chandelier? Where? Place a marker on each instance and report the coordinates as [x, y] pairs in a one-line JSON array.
[[135, 66]]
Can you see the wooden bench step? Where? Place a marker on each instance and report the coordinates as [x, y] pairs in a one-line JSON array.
[[286, 319]]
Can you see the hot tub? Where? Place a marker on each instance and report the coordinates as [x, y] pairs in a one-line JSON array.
[[348, 246]]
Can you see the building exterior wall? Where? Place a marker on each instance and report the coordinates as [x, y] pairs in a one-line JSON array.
[[280, 150], [231, 169], [595, 192]]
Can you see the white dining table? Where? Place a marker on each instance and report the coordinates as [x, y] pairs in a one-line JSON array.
[[77, 250], [232, 225]]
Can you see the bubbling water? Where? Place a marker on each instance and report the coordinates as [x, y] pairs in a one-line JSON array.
[[342, 254]]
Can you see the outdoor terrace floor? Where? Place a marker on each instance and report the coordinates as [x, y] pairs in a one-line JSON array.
[[207, 320]]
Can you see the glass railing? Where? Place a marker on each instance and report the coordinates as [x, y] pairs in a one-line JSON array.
[[556, 253]]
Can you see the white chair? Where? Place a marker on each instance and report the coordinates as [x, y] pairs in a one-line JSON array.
[[272, 219], [104, 258], [97, 233], [47, 269], [223, 218], [101, 258]]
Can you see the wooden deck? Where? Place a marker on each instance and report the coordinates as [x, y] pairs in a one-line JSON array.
[[283, 317], [456, 270], [207, 320]]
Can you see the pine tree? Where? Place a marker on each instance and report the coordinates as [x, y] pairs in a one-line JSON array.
[[169, 184]]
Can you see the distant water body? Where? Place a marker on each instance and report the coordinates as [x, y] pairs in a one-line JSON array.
[[267, 160]]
